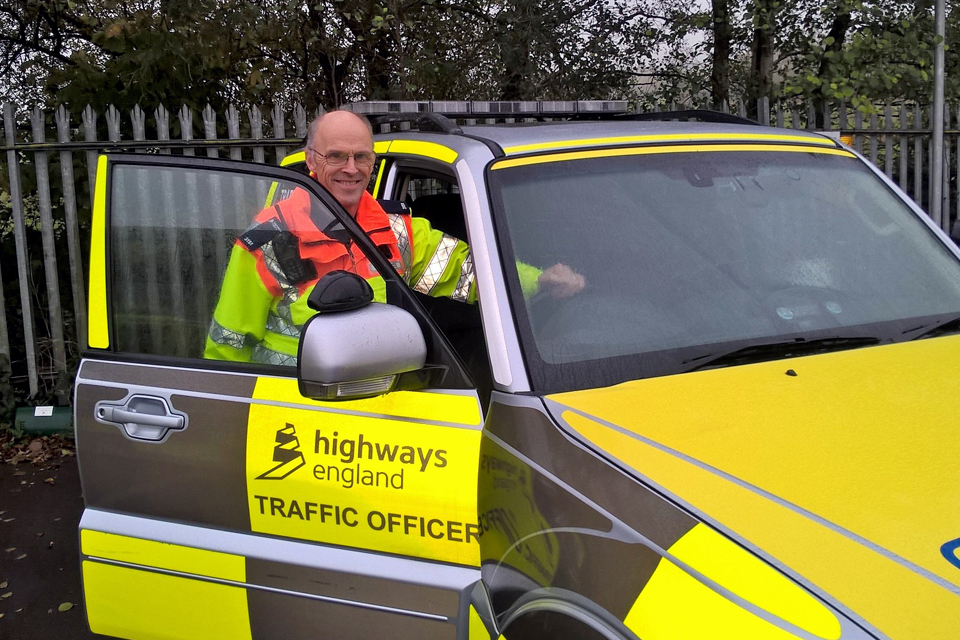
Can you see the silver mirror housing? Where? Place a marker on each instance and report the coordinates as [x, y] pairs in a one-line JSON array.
[[358, 353]]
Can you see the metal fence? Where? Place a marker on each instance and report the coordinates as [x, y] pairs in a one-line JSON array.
[[50, 163]]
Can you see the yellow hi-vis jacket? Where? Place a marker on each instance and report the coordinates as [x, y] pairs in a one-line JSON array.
[[263, 299]]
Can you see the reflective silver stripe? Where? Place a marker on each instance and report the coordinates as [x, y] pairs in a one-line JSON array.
[[221, 335], [437, 265], [290, 292], [399, 228], [467, 276], [268, 356], [280, 325]]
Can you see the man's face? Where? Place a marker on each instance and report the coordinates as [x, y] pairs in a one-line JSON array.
[[341, 132]]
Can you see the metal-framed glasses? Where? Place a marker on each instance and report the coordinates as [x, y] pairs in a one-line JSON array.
[[340, 158]]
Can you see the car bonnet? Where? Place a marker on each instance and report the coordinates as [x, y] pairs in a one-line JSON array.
[[839, 468]]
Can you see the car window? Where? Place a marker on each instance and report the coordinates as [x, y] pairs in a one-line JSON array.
[[437, 199], [196, 257], [686, 250]]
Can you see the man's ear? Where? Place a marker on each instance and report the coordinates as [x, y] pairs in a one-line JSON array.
[[309, 157]]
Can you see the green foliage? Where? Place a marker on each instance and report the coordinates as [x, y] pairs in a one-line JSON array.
[[323, 52], [327, 52]]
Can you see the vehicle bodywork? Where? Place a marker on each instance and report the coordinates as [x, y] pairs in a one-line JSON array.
[[812, 496]]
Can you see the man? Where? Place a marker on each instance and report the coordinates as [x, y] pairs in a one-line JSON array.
[[275, 264]]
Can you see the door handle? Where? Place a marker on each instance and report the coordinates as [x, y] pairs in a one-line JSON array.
[[142, 417]]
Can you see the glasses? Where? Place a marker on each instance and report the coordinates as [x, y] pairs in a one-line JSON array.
[[339, 158]]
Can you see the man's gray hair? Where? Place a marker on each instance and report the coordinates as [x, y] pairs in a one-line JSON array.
[[315, 124]]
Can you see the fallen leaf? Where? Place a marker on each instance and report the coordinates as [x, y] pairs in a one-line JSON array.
[[56, 519], [21, 556], [49, 480], [9, 519], [39, 534], [3, 512], [36, 446], [50, 546], [67, 452], [19, 473], [1, 615], [19, 610], [3, 585], [10, 549], [6, 595], [65, 606]]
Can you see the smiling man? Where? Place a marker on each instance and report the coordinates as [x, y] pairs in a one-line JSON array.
[[278, 260]]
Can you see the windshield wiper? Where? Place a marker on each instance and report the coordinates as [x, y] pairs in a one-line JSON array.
[[950, 324], [792, 348]]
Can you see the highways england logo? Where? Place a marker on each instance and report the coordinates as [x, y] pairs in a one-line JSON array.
[[286, 454]]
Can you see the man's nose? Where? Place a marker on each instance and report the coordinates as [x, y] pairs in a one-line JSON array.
[[351, 165]]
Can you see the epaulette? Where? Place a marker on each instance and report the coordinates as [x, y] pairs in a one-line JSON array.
[[259, 235], [394, 206]]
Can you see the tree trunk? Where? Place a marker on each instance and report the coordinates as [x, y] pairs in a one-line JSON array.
[[838, 31], [761, 68], [720, 73]]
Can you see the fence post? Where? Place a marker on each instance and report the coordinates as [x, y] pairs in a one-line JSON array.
[[233, 131], [20, 238], [113, 123], [256, 132], [904, 147], [51, 274], [888, 141], [74, 252], [139, 119], [210, 130], [944, 198], [89, 117], [958, 176], [162, 116], [279, 131], [918, 158], [186, 128], [300, 120], [5, 366]]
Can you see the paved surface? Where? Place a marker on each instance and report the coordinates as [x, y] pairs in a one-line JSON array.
[[39, 555]]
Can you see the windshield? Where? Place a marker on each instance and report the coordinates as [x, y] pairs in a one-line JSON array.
[[688, 254]]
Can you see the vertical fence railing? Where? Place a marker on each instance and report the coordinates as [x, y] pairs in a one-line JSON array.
[[50, 168], [51, 163]]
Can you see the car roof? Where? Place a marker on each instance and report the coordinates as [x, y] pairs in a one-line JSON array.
[[531, 137]]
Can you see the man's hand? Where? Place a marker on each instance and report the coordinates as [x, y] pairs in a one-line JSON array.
[[560, 281]]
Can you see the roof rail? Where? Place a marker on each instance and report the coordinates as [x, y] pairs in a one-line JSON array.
[[703, 115]]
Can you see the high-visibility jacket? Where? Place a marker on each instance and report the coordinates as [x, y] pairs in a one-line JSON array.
[[263, 298]]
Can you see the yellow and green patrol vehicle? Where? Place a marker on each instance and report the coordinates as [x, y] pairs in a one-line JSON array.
[[744, 426]]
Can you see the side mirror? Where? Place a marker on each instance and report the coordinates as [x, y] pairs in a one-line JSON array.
[[359, 351]]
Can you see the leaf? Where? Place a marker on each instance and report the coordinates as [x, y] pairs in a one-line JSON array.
[[3, 585], [4, 596], [21, 556], [65, 606]]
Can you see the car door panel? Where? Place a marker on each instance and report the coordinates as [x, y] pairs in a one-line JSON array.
[[222, 503]]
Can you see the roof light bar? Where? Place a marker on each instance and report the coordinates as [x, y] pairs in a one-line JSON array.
[[491, 108]]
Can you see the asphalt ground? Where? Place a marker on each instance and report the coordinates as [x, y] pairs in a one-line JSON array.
[[40, 507]]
